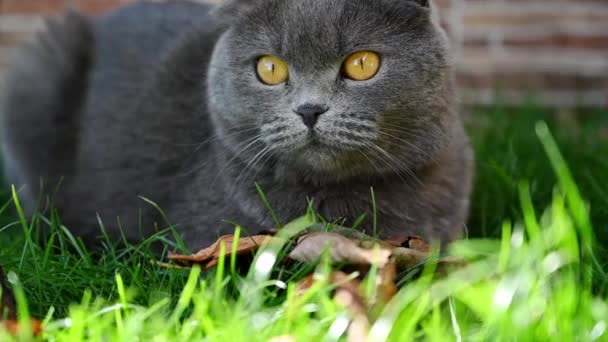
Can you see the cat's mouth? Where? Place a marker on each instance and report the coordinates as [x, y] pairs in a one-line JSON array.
[[316, 143], [316, 152], [325, 154], [314, 140]]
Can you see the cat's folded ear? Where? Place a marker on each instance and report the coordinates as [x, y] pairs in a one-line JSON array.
[[428, 7], [232, 9], [423, 3]]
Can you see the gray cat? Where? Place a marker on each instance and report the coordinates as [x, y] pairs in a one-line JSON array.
[[189, 106]]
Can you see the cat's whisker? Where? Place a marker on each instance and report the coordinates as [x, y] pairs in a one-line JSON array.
[[250, 142], [413, 136], [386, 161], [396, 163], [415, 133], [416, 148], [399, 119], [265, 163], [400, 128], [372, 163], [217, 136], [252, 163], [213, 138], [195, 168]]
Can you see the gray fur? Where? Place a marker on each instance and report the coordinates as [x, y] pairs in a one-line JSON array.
[[162, 101]]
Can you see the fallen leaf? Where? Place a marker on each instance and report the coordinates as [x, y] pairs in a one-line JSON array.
[[358, 330], [407, 252], [347, 232], [14, 328], [341, 249], [395, 242], [8, 306], [411, 242], [416, 243], [407, 257], [348, 295], [360, 252], [352, 300], [209, 257], [8, 310], [385, 283], [337, 279]]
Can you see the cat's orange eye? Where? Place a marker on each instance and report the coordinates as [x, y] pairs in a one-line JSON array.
[[361, 66], [272, 70]]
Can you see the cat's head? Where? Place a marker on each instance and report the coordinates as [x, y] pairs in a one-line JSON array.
[[335, 88]]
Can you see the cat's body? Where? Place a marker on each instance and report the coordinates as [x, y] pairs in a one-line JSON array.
[[162, 101]]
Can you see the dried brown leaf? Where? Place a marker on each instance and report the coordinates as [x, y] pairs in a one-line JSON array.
[[208, 257], [404, 253], [14, 327], [358, 330], [353, 301], [8, 306], [387, 277], [371, 243], [416, 243], [348, 295], [395, 242], [411, 242], [8, 309], [337, 279], [341, 249], [388, 255], [305, 284], [407, 257]]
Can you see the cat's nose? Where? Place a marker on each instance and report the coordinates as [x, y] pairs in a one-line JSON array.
[[310, 113]]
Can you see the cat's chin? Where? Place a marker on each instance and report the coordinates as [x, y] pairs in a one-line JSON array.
[[313, 153], [320, 158], [316, 157]]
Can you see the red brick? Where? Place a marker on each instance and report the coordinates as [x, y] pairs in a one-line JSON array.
[[562, 40], [47, 7], [515, 19], [532, 81]]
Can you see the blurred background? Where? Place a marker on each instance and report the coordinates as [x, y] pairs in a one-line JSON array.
[[556, 50], [506, 50]]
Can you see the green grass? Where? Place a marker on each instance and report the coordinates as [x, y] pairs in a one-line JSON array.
[[536, 263]]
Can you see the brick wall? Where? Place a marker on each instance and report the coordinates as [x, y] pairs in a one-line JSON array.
[[507, 49], [555, 49]]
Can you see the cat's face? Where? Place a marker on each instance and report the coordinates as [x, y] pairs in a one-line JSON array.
[[284, 85]]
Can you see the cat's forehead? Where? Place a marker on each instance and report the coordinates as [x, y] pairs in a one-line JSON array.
[[328, 29]]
